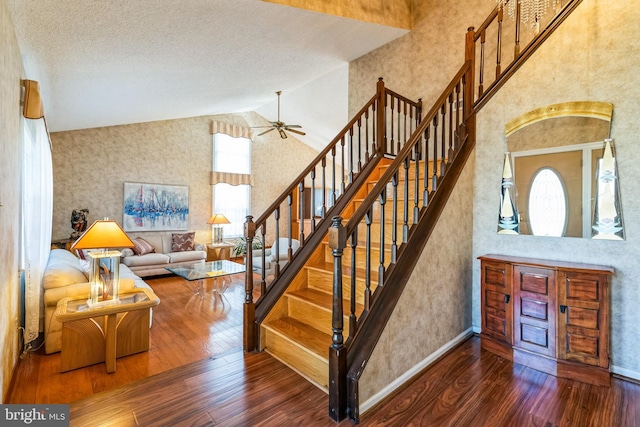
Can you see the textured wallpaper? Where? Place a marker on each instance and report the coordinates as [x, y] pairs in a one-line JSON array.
[[436, 304], [591, 57], [90, 166], [11, 70]]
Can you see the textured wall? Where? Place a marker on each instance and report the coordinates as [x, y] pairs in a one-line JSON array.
[[91, 165], [11, 70], [593, 56], [436, 304]]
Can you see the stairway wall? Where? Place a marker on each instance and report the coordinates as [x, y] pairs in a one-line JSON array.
[[594, 55], [436, 304]]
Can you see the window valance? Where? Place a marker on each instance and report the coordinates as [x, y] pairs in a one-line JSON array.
[[231, 178], [231, 130]]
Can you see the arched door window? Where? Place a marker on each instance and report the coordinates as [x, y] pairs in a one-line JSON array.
[[547, 204]]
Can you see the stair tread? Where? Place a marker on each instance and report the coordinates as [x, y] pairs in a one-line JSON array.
[[306, 336], [346, 270], [320, 298]]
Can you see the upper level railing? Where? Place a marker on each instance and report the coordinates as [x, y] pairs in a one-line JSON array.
[[500, 35], [381, 127]]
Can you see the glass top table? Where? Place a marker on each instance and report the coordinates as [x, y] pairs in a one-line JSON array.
[[209, 270]]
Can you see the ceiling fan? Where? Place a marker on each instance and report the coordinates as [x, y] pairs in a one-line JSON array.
[[280, 126]]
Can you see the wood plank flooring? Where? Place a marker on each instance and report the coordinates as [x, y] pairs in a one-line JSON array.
[[467, 387], [209, 381], [185, 329]]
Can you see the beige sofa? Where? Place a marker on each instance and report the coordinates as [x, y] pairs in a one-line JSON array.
[[154, 264], [68, 276]]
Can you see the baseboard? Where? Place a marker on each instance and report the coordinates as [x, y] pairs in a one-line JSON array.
[[416, 369], [627, 373], [476, 329]]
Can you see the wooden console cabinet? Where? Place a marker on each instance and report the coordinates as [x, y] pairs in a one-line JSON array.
[[550, 316]]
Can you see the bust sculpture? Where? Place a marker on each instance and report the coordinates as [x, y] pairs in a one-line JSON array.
[[78, 222]]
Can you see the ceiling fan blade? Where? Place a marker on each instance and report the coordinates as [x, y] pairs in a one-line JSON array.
[[293, 126], [266, 131], [296, 131], [283, 135]]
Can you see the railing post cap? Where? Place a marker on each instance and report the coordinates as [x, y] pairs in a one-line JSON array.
[[337, 234]]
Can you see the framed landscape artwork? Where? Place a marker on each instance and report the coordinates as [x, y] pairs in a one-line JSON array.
[[155, 207]]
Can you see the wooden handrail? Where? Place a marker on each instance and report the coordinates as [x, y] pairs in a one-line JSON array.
[[416, 154], [359, 214], [361, 142]]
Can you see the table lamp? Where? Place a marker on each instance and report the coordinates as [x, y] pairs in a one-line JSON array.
[[104, 276], [217, 220]]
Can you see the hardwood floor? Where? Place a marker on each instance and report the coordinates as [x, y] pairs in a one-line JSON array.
[[468, 387], [207, 381], [185, 329]]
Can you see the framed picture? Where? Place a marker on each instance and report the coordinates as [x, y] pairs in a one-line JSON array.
[[155, 207]]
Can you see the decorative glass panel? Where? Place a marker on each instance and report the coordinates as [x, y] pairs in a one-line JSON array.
[[547, 204]]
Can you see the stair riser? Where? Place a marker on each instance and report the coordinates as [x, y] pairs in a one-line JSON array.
[[375, 232], [412, 188], [361, 261], [412, 167], [323, 281], [388, 209], [299, 358], [317, 317]]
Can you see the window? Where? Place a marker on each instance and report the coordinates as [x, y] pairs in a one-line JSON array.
[[547, 204], [232, 155]]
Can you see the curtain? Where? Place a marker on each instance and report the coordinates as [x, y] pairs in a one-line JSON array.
[[231, 175], [231, 130], [231, 178], [35, 228]]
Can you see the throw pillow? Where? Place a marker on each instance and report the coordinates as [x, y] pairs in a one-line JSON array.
[[142, 246], [182, 242]]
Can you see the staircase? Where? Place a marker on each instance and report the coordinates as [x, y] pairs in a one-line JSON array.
[[298, 329], [385, 180]]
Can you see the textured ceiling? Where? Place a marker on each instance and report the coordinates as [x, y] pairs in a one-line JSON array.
[[110, 62]]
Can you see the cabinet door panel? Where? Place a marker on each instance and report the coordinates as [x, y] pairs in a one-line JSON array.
[[533, 335], [497, 310], [534, 317], [583, 322], [583, 317]]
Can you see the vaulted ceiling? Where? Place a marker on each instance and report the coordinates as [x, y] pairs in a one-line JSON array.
[[102, 63]]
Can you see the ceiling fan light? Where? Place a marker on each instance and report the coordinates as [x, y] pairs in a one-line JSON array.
[[283, 135]]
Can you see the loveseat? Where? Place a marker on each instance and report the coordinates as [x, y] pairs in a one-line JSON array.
[[156, 251], [68, 276]]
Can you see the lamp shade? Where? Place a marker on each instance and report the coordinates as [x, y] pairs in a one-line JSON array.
[[218, 219], [105, 234]]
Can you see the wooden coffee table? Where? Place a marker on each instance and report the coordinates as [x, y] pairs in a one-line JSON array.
[[93, 335]]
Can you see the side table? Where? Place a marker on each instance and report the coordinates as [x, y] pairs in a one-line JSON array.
[[93, 335], [219, 251]]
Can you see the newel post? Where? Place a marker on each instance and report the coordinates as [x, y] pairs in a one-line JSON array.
[[381, 137], [469, 78], [249, 306], [337, 351]]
